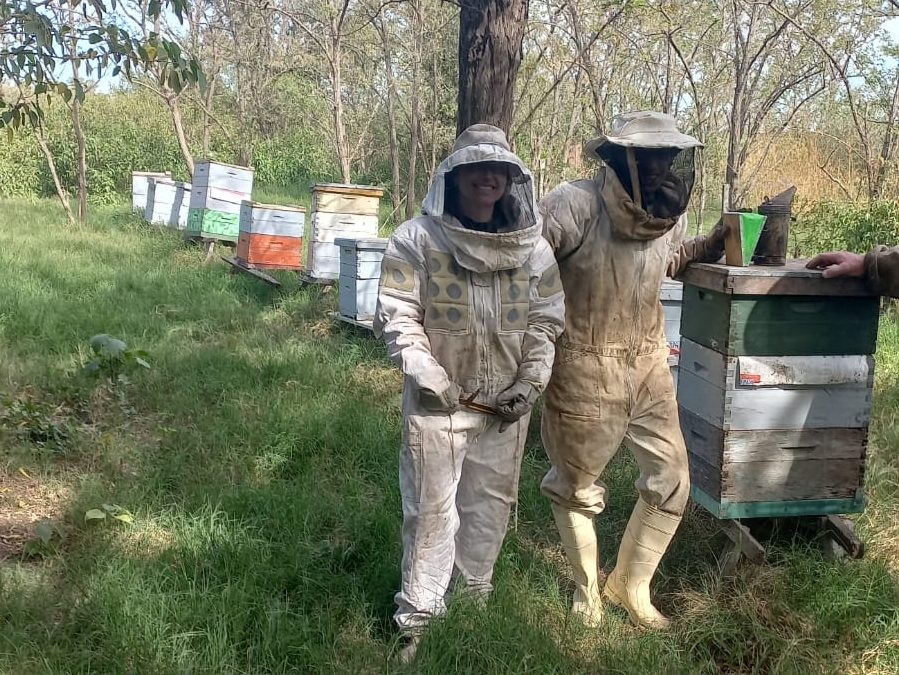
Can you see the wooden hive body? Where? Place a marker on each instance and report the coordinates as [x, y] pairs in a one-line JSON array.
[[271, 236], [774, 391], [215, 200], [339, 212]]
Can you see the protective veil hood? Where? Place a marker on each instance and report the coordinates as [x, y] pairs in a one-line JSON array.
[[486, 251]]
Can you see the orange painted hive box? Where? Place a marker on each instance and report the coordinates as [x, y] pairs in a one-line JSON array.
[[270, 236]]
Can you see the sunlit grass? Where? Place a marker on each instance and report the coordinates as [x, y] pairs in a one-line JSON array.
[[258, 458]]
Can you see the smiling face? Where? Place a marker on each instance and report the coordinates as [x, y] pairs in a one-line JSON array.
[[481, 185]]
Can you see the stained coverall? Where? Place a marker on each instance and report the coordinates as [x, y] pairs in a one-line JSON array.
[[611, 382], [480, 310]]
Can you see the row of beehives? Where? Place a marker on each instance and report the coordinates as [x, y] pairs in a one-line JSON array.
[[218, 207], [207, 208]]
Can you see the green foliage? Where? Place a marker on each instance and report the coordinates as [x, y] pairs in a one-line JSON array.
[[35, 421], [293, 159], [836, 226], [113, 360], [126, 131], [42, 44], [108, 513], [21, 165]]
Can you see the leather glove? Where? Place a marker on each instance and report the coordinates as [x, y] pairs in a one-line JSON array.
[[714, 243], [515, 402], [445, 401]]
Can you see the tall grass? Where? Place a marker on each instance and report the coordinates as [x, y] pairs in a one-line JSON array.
[[258, 457]]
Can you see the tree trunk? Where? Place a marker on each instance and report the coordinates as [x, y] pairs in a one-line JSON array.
[[207, 115], [415, 112], [75, 109], [396, 199], [51, 164], [340, 137], [490, 36], [82, 159], [172, 101], [886, 150]]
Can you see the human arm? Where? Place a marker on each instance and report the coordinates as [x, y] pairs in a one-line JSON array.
[[880, 267], [703, 248], [399, 319], [546, 321]]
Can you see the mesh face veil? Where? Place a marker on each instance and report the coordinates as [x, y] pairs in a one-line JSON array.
[[515, 203], [679, 179]]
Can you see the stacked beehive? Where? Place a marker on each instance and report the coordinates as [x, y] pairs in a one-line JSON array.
[[215, 200], [360, 271], [271, 237], [140, 185], [339, 211], [774, 389], [672, 297], [166, 202]]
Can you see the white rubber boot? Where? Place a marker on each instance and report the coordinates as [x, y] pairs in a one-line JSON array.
[[409, 651], [579, 541], [648, 534]]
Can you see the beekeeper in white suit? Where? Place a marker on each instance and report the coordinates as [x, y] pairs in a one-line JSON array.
[[470, 303], [616, 236]]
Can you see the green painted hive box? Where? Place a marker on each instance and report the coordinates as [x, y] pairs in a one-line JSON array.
[[210, 224], [775, 389]]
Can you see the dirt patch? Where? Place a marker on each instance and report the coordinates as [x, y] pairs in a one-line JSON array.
[[24, 501]]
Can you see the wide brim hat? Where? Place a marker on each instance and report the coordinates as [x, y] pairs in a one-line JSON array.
[[644, 129]]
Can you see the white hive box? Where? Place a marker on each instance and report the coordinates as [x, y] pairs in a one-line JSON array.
[[226, 176], [671, 296], [182, 199], [140, 185], [360, 271], [164, 199], [339, 211]]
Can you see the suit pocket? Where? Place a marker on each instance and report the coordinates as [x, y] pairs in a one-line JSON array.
[[411, 469], [574, 387]]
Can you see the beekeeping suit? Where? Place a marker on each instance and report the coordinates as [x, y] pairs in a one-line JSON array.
[[465, 313], [611, 382]]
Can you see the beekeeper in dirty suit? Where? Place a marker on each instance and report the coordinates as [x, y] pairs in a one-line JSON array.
[[615, 237], [470, 304], [879, 267]]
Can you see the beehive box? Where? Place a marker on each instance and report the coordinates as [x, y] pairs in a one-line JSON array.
[[360, 271], [271, 237], [775, 379], [165, 202], [183, 198], [671, 297], [140, 186], [224, 176], [214, 213], [215, 200], [339, 211]]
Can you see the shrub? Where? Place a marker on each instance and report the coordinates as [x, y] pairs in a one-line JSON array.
[[850, 226]]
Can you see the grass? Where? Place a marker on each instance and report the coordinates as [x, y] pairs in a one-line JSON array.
[[258, 458]]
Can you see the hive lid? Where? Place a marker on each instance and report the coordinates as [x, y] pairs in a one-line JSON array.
[[790, 279], [349, 189]]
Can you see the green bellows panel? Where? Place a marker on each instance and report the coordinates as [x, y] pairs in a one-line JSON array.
[[780, 325], [211, 224]]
